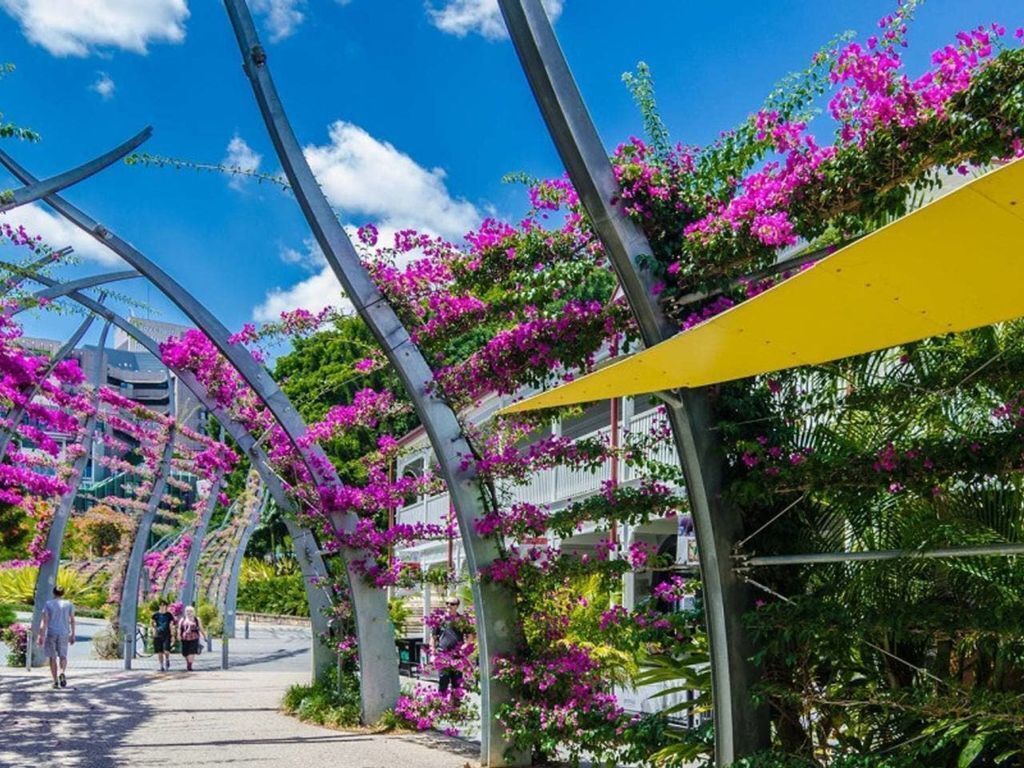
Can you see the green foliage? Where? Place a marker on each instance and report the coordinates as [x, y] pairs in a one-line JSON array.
[[15, 532], [641, 85], [262, 590], [399, 611], [7, 616], [325, 702], [18, 585], [210, 618], [320, 372]]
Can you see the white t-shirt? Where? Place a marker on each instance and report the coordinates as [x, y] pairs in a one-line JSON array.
[[58, 613]]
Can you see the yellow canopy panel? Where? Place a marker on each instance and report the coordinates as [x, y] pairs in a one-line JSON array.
[[954, 264]]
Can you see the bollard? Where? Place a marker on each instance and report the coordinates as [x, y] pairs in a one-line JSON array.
[[209, 644], [224, 652], [246, 630]]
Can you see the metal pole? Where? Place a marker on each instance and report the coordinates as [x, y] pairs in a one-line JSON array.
[[46, 577], [231, 595], [246, 631], [741, 727], [314, 571], [498, 625], [130, 592], [985, 550], [188, 585], [224, 650], [40, 189]]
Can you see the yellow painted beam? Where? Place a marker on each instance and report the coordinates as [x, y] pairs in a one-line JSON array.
[[952, 265]]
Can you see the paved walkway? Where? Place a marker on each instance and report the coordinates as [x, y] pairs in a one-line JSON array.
[[107, 717]]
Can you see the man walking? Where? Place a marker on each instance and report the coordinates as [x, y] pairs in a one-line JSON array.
[[56, 632], [163, 621], [448, 638]]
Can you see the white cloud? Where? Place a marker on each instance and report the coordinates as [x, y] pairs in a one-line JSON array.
[[59, 233], [104, 86], [369, 179], [283, 17], [310, 258], [242, 157], [77, 27], [314, 293], [460, 17]]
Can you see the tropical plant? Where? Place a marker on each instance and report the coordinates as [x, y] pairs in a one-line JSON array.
[[18, 585]]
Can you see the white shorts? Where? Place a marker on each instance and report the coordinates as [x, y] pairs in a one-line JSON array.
[[56, 646]]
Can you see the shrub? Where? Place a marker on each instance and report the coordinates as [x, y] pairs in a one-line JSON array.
[[18, 586], [210, 618], [107, 643], [285, 595], [324, 702], [16, 638], [7, 616]]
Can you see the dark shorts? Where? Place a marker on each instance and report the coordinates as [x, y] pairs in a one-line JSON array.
[[162, 642], [189, 647]]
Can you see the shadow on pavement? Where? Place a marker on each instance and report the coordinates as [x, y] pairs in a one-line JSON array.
[[81, 725]]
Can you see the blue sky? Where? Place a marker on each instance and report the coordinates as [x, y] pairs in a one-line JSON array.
[[411, 112]]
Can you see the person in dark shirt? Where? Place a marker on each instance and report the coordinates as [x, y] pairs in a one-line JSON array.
[[163, 626], [448, 636]]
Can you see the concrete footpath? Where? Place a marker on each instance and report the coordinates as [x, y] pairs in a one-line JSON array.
[[107, 717]]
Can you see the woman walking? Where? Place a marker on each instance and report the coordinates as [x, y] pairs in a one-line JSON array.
[[190, 630]]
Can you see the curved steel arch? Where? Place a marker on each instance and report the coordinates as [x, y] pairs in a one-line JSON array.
[[306, 550], [188, 583], [378, 654], [741, 727], [46, 576], [497, 624], [231, 593], [133, 575], [38, 189]]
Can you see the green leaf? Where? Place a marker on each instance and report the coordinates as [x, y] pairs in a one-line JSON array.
[[971, 751]]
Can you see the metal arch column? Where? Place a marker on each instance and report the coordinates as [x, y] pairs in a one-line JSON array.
[[231, 594], [378, 655], [305, 546], [16, 416], [188, 584], [130, 591], [38, 189], [497, 625], [741, 727], [46, 576], [313, 569]]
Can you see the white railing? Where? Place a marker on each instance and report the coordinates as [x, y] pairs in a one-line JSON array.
[[558, 484]]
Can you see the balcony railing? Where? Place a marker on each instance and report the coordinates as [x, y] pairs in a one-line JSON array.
[[556, 485]]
